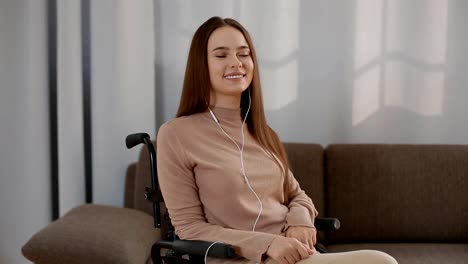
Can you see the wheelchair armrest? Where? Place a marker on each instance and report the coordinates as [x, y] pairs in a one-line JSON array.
[[197, 247], [222, 250], [326, 224]]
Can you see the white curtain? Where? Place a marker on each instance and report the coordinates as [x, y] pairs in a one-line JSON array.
[[123, 102], [122, 95], [70, 106], [123, 89]]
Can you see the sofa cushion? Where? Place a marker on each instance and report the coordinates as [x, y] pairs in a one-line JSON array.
[[414, 253], [385, 193], [94, 234]]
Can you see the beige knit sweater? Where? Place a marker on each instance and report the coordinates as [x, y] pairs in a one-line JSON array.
[[199, 170]]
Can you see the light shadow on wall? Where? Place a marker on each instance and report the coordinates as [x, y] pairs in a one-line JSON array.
[[278, 57], [399, 57], [278, 54]]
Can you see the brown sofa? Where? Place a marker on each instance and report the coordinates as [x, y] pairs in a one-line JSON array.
[[410, 201]]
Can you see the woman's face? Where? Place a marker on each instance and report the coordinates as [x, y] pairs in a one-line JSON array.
[[229, 63]]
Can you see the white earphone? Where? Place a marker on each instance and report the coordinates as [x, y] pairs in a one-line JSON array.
[[241, 151]]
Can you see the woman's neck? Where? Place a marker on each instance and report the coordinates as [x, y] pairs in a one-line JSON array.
[[229, 102]]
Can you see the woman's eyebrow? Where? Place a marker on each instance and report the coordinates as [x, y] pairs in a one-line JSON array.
[[226, 48]]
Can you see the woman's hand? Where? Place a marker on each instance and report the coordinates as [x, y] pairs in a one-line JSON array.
[[286, 250], [306, 235]]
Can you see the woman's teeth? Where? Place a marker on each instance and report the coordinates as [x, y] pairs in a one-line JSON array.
[[234, 76]]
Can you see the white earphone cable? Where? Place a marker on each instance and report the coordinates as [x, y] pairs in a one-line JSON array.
[[208, 249], [241, 150]]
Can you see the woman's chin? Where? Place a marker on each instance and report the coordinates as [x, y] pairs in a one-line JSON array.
[[235, 90]]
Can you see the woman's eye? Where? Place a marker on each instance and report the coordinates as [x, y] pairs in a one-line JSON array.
[[244, 55], [220, 56]]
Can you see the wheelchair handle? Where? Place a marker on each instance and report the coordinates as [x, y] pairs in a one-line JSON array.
[[138, 138], [135, 139]]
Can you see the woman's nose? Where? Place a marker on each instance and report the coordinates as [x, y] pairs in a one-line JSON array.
[[235, 62]]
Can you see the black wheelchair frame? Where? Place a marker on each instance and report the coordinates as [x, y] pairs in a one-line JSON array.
[[195, 249]]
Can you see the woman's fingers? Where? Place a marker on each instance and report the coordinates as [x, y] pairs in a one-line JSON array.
[[314, 236], [305, 251], [288, 250], [311, 243], [300, 253]]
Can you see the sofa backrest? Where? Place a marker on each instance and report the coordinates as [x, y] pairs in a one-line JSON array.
[[380, 193], [129, 199], [397, 193], [306, 163]]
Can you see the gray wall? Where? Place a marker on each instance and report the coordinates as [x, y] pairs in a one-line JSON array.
[[24, 130], [339, 71]]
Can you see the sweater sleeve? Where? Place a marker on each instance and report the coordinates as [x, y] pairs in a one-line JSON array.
[[180, 192], [302, 211]]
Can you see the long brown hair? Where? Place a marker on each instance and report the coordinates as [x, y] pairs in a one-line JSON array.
[[197, 87]]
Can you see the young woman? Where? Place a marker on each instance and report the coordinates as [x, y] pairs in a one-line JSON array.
[[223, 171]]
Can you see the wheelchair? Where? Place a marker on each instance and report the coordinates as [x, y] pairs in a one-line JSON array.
[[177, 250]]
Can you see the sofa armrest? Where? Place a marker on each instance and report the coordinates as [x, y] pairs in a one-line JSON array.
[[94, 234]]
